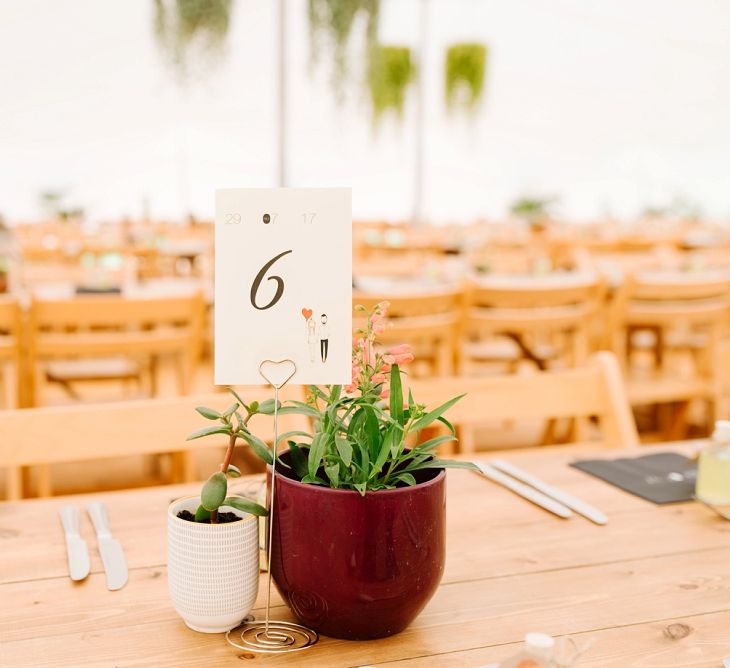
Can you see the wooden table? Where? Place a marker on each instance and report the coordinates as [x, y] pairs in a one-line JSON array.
[[651, 589]]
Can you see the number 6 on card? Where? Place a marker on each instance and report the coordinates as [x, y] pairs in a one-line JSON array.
[[283, 283]]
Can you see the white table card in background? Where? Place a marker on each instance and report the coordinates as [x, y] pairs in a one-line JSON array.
[[283, 283]]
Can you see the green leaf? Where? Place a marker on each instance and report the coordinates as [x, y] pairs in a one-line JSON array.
[[372, 433], [407, 478], [208, 431], [434, 414], [443, 420], [313, 480], [333, 473], [302, 409], [267, 407], [234, 471], [344, 449], [396, 395], [361, 487], [434, 442], [245, 505], [238, 398], [229, 411], [253, 407], [214, 491], [298, 460], [202, 515], [259, 447], [411, 403], [445, 464], [383, 453], [316, 452], [208, 413], [288, 434]]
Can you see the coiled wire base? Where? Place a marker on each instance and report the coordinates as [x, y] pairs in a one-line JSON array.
[[281, 637], [270, 636]]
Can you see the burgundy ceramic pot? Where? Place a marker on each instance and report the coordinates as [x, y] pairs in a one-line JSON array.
[[358, 567]]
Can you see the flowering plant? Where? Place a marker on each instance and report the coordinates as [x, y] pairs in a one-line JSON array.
[[361, 431]]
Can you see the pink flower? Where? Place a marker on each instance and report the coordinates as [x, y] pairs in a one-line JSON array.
[[379, 378], [383, 307], [400, 355], [378, 327], [385, 393], [351, 389]]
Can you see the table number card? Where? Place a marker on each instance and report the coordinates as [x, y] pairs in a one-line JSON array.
[[283, 283]]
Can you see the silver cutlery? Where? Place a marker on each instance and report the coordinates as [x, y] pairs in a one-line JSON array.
[[76, 549], [529, 493], [110, 549], [568, 500]]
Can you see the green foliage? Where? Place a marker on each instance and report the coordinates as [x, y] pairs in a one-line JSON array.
[[202, 515], [190, 30], [360, 444], [532, 208], [390, 71], [214, 491], [53, 203], [464, 75], [331, 22], [234, 425], [359, 440], [246, 505]]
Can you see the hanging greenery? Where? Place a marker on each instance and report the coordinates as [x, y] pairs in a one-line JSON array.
[[331, 21], [390, 70], [465, 68], [190, 29]]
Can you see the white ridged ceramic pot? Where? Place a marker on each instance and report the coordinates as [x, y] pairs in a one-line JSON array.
[[212, 569]]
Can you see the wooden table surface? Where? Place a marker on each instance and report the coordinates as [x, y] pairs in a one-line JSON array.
[[650, 589]]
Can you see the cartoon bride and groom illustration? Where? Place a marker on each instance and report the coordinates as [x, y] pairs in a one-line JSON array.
[[317, 335]]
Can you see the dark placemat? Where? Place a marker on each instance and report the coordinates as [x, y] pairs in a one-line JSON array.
[[664, 477]]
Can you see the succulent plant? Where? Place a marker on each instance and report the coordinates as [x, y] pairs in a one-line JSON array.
[[233, 423]]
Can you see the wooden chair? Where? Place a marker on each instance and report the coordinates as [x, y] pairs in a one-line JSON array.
[[685, 317], [542, 319], [42, 437], [593, 390], [429, 322], [127, 335], [10, 357]]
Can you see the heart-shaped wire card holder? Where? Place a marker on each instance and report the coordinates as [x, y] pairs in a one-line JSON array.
[[272, 636]]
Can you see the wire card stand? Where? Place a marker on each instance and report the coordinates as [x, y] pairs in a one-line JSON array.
[[272, 636]]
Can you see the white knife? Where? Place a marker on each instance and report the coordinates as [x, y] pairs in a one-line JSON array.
[[538, 498], [110, 549], [76, 550], [572, 502]]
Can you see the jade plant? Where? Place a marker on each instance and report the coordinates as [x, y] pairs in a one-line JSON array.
[[233, 423]]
